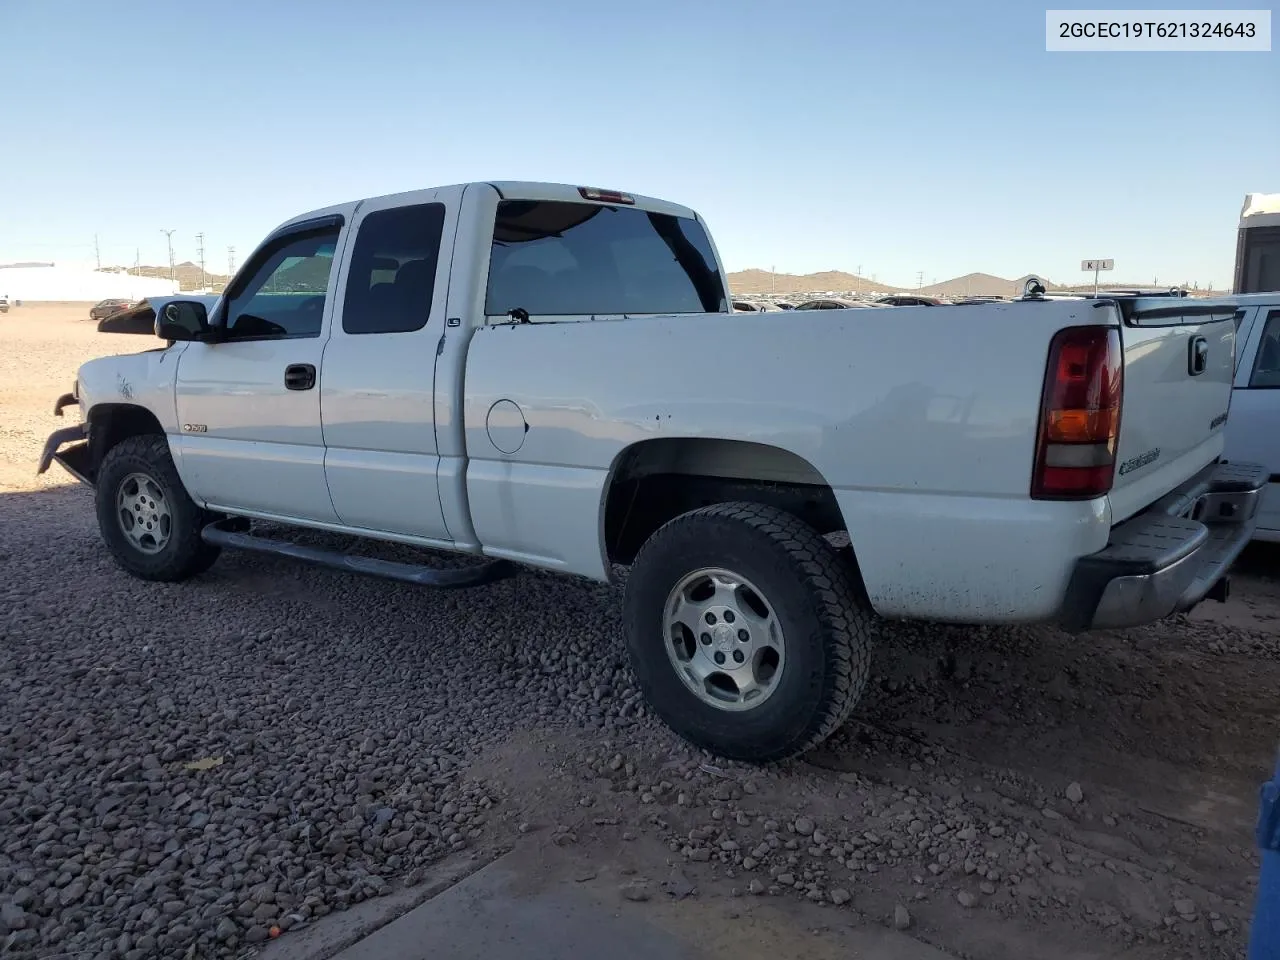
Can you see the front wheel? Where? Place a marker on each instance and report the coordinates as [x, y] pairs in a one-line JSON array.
[[745, 631], [149, 523]]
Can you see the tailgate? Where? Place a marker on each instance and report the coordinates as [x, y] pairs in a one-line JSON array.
[[1179, 359]]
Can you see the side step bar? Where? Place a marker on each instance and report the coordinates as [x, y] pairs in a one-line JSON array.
[[223, 534]]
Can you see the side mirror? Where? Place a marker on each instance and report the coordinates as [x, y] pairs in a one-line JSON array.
[[183, 320]]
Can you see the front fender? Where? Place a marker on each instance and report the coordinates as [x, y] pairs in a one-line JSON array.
[[143, 380]]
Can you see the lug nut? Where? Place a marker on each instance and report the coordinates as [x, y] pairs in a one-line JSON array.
[[728, 616], [738, 657], [711, 617], [719, 657], [706, 638], [744, 636]]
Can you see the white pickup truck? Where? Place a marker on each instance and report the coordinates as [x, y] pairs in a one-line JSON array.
[[553, 375]]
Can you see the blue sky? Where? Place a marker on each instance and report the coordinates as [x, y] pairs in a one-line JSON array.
[[812, 135]]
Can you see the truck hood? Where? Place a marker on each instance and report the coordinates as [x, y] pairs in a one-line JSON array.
[[142, 318]]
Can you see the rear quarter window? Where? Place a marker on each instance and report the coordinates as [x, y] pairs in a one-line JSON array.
[[558, 258]]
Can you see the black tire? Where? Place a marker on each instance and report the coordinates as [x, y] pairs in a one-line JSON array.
[[828, 631], [185, 554]]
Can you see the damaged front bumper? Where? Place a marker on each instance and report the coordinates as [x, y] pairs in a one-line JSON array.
[[75, 458]]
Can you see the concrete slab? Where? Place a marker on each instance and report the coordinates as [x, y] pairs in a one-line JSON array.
[[535, 905]]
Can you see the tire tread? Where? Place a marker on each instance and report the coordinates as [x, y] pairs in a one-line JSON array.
[[191, 555], [847, 621]]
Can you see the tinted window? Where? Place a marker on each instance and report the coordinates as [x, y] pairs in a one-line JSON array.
[[284, 294], [553, 258], [1261, 260], [393, 270], [1266, 365]]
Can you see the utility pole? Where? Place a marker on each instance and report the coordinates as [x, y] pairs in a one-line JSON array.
[[200, 255], [97, 255], [919, 279], [137, 262], [231, 261], [168, 235]]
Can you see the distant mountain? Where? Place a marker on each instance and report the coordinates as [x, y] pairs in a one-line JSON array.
[[763, 283], [974, 285], [749, 283], [186, 273]]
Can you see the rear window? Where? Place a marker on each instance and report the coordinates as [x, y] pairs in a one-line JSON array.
[[557, 258]]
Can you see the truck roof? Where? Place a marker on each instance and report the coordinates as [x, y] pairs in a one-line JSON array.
[[506, 189], [1260, 210]]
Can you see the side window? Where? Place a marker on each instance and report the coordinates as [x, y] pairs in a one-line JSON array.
[[1266, 365], [393, 270], [284, 296], [558, 258]]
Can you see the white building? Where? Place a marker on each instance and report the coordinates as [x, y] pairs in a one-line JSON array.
[[77, 284]]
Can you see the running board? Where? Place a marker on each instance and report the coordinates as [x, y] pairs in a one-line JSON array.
[[449, 578]]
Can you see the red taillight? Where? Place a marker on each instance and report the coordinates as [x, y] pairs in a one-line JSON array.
[[1079, 415], [605, 196]]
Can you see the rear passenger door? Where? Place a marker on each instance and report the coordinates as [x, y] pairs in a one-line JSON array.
[[381, 457]]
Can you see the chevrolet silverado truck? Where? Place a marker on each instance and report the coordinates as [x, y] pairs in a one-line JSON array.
[[553, 376]]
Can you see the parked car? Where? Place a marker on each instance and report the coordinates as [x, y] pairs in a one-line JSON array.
[[4, 304], [106, 308], [910, 300], [592, 401], [835, 303], [1253, 432]]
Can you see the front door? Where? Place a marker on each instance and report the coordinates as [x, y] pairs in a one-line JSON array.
[[381, 458], [249, 406]]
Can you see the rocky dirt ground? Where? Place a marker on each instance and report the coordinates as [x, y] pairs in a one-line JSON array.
[[185, 768]]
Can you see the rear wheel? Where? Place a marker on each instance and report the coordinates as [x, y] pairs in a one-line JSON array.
[[745, 631], [149, 523]]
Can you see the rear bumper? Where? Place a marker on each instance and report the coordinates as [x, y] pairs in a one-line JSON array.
[[1169, 558]]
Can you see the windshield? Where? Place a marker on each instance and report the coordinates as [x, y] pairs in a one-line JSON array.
[[555, 258]]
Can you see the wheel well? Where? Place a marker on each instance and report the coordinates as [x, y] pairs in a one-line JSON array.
[[109, 423], [657, 480]]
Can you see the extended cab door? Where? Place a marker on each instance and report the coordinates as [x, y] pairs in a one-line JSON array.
[[249, 405], [378, 391]]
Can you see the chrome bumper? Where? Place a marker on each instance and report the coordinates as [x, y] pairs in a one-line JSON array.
[[1172, 556]]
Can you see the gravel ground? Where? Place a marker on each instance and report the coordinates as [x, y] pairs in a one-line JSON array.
[[184, 769]]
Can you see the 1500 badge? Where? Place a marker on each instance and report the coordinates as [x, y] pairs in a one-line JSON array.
[[1141, 460], [1217, 421], [195, 428]]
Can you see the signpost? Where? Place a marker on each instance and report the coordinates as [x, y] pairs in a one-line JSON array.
[[1095, 266]]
